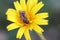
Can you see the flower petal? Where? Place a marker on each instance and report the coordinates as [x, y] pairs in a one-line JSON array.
[[41, 21], [12, 26], [11, 11], [37, 7], [23, 4], [20, 32], [31, 4], [38, 29], [27, 35], [42, 15], [31, 26], [11, 15], [17, 6]]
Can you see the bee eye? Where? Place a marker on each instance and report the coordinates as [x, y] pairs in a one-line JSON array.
[[23, 17]]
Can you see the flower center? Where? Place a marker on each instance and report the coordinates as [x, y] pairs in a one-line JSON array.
[[23, 17]]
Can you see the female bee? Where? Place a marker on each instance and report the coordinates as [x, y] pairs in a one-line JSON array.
[[23, 17]]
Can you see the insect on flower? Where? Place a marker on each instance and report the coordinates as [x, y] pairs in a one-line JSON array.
[[25, 17]]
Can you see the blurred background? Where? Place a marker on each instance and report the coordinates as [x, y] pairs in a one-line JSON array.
[[52, 31]]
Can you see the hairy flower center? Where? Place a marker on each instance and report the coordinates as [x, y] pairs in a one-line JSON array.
[[23, 17]]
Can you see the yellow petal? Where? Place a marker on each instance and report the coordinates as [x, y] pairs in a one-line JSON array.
[[11, 11], [41, 21], [31, 26], [38, 29], [23, 4], [31, 4], [20, 32], [37, 7], [42, 15], [27, 35], [12, 26], [17, 6], [11, 15]]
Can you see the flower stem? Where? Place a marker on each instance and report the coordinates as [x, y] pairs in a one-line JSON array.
[[42, 37]]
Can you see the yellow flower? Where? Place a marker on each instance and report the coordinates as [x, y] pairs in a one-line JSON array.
[[25, 17]]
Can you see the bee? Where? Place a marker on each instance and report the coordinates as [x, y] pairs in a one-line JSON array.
[[23, 17]]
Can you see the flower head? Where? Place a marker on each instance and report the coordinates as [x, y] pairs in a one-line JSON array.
[[25, 17]]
